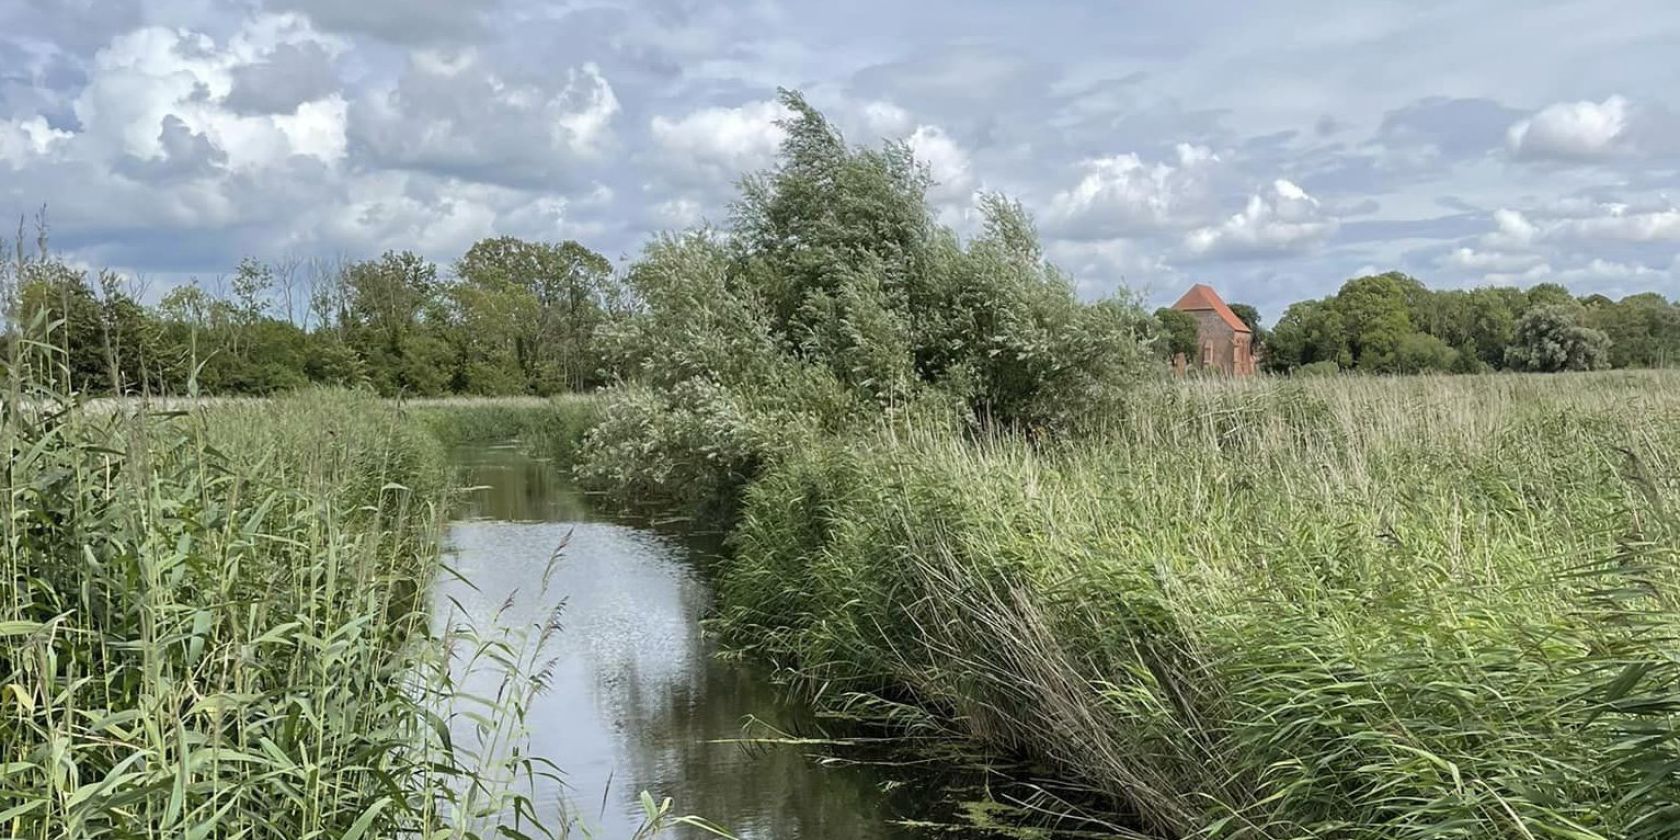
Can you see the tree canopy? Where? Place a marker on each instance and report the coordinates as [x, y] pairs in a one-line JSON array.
[[1392, 323]]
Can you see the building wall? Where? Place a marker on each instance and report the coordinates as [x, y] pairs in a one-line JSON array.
[[1216, 343]]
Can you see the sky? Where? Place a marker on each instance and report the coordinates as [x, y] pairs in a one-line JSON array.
[[1272, 149]]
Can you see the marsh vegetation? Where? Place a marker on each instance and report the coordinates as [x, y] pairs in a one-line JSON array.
[[959, 503]]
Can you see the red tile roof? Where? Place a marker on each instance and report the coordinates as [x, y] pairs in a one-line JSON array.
[[1202, 296]]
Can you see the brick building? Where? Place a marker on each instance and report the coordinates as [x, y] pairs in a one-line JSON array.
[[1223, 342]]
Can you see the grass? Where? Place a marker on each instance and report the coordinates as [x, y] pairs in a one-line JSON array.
[[215, 622], [1369, 608], [551, 427]]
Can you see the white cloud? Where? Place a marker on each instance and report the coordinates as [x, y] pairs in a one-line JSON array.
[[1122, 195], [884, 119], [452, 113], [144, 78], [1512, 230], [722, 142], [1610, 277], [1285, 220], [679, 213], [1473, 260], [1573, 130], [946, 161], [22, 139], [1571, 221], [590, 105], [1616, 223], [1101, 266]]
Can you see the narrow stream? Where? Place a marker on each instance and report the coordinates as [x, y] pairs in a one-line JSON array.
[[637, 700]]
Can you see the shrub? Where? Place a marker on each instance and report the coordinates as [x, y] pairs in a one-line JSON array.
[[1551, 338]]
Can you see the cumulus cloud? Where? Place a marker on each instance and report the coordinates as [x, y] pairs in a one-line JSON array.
[[21, 140], [451, 113], [1121, 195], [184, 133], [291, 75], [1603, 222], [145, 77], [1512, 229], [1574, 130], [884, 119], [946, 161], [184, 153], [1280, 220], [1618, 223], [721, 143], [1470, 259]]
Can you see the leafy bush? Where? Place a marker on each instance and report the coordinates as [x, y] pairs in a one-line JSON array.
[[831, 299], [1551, 338]]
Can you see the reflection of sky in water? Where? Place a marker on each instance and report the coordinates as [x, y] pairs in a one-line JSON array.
[[636, 696]]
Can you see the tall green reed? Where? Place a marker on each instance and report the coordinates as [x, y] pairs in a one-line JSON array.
[[214, 623], [1353, 608]]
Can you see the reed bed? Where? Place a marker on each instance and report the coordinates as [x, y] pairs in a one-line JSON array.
[[1355, 607], [215, 622]]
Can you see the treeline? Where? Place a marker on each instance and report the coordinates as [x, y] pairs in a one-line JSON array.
[[520, 317], [508, 317], [1392, 323]]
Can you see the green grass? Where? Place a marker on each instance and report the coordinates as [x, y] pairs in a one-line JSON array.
[[1371, 608], [214, 622], [549, 427]]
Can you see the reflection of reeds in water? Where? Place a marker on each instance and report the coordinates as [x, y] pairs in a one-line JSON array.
[[495, 669]]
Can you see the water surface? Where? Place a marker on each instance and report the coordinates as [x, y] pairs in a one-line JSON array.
[[637, 700]]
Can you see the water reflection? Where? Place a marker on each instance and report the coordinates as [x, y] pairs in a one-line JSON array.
[[637, 701]]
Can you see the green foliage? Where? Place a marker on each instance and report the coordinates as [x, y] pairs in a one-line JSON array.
[[1551, 338], [1390, 323], [1644, 329], [1309, 332], [1178, 333], [832, 298], [1374, 312], [214, 626], [1421, 353], [521, 317], [528, 313], [1250, 316], [1324, 368], [1226, 615]]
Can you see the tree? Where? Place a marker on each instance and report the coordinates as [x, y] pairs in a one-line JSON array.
[[394, 311], [1309, 331], [1178, 334], [1375, 314], [1423, 353], [1644, 329], [532, 310], [1489, 325], [1259, 337], [53, 295], [1548, 294], [1551, 338]]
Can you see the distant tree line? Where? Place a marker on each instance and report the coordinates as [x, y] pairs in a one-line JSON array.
[[510, 317], [1392, 323], [518, 317]]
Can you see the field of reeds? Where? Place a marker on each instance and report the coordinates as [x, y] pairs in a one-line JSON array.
[[215, 621], [1349, 607]]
